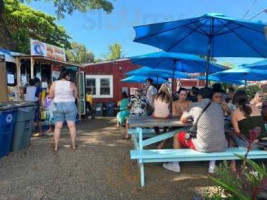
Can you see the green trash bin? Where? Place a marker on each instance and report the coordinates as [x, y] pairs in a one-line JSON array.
[[23, 127]]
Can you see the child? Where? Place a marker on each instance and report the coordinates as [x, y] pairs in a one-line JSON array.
[[48, 105]]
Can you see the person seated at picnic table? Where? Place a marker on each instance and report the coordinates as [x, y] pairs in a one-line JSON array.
[[123, 112], [244, 118], [217, 97], [162, 104], [181, 105], [258, 100], [210, 129], [193, 94], [138, 107]]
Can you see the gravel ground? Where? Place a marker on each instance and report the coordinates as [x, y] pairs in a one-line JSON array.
[[99, 169]]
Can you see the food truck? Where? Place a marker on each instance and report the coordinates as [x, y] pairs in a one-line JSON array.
[[45, 63]]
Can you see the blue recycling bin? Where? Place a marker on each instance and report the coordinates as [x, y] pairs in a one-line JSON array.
[[7, 121], [110, 109], [99, 109]]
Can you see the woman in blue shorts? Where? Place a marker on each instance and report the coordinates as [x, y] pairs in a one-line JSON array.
[[64, 93]]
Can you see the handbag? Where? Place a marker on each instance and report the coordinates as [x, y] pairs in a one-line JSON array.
[[192, 133]]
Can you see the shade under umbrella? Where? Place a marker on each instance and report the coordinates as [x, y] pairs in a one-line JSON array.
[[210, 35], [142, 79]]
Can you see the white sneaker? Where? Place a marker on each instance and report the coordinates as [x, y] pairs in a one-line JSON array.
[[173, 166], [211, 170]]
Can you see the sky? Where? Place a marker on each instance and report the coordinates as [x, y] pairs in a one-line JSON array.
[[97, 30]]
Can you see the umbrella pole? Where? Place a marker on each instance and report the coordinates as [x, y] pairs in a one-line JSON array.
[[157, 82], [173, 75], [209, 51]]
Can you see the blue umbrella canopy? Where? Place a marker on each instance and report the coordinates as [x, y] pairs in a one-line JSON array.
[[223, 80], [261, 65], [212, 35], [242, 74], [142, 79], [176, 61], [146, 71]]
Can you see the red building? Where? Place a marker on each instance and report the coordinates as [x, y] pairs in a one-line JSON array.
[[103, 79]]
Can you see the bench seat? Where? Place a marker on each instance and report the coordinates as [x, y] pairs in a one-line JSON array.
[[188, 155], [171, 155]]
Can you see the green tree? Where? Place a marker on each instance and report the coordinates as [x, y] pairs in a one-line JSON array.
[[115, 52], [68, 6], [228, 64], [79, 54], [24, 23]]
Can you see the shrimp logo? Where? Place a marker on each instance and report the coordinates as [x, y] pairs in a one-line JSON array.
[[38, 48]]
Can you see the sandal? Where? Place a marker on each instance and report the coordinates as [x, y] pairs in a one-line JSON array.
[[74, 147]]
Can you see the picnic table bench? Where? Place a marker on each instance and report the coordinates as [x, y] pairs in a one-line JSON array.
[[142, 127]]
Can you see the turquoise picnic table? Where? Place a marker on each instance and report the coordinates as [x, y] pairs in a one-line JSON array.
[[141, 128], [143, 135]]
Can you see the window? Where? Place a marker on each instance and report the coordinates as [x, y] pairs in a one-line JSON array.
[[101, 86], [90, 86]]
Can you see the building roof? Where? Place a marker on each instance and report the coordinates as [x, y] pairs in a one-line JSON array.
[[104, 62], [46, 59], [10, 55]]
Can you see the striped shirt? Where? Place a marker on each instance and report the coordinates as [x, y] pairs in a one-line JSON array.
[[210, 127]]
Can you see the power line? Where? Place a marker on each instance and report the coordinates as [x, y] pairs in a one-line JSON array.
[[255, 1], [264, 11]]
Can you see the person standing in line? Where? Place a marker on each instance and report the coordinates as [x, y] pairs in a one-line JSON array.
[[150, 95], [64, 93], [33, 94]]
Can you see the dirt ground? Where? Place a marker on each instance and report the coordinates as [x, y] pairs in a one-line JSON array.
[[99, 169]]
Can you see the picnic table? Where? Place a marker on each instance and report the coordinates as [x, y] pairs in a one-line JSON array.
[[143, 127], [143, 134]]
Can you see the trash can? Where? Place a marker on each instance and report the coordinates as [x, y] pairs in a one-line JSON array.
[[110, 109], [23, 126], [98, 109], [7, 121]]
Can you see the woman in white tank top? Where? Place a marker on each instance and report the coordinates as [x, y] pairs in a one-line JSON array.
[[64, 93]]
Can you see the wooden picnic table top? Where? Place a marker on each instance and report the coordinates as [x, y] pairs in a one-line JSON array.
[[146, 121]]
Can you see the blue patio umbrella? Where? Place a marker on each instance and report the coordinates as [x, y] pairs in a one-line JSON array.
[[261, 65], [223, 80], [176, 62], [242, 74], [147, 71], [142, 79], [210, 35]]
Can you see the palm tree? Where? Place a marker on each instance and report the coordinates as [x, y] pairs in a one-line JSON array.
[[115, 52]]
